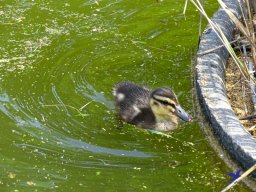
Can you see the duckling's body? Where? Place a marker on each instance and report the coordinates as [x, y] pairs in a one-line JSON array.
[[153, 110]]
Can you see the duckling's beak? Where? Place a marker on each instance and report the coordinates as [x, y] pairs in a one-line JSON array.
[[183, 114]]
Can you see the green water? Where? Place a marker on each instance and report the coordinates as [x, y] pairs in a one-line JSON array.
[[56, 57]]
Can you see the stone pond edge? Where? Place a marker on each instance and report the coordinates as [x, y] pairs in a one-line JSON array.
[[210, 84]]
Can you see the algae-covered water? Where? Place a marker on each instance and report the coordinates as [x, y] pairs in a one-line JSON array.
[[59, 131]]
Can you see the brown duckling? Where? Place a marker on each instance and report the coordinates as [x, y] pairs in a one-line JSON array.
[[158, 109]]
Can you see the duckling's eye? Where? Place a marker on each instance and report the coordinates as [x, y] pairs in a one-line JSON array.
[[172, 105], [155, 103]]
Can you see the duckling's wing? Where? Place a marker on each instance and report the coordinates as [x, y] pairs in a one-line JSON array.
[[130, 99]]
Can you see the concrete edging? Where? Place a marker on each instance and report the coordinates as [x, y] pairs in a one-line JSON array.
[[210, 83]]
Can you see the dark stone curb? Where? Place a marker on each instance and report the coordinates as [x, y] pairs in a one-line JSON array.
[[210, 83]]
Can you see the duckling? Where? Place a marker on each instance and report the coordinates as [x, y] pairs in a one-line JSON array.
[[158, 109]]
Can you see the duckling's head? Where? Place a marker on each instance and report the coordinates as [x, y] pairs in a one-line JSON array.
[[165, 106]]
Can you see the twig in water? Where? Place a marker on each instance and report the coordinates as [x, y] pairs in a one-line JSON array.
[[81, 108], [78, 110]]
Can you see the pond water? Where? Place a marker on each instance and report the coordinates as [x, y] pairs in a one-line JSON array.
[[59, 131]]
